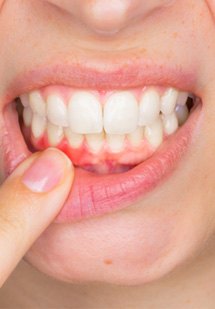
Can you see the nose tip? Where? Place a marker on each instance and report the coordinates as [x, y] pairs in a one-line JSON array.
[[108, 16]]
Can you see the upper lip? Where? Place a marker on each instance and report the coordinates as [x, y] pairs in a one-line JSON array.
[[105, 76]]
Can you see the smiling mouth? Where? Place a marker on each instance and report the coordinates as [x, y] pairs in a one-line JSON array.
[[103, 132], [122, 142]]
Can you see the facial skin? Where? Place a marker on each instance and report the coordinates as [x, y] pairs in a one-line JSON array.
[[173, 223]]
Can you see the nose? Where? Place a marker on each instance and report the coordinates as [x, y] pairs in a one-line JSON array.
[[109, 16]]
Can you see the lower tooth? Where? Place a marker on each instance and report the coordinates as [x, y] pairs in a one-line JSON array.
[[55, 134], [75, 140], [95, 141], [115, 142], [27, 116], [136, 137], [154, 133], [182, 114], [38, 125], [170, 123]]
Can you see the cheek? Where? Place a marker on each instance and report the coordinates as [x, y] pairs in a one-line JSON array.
[[211, 6]]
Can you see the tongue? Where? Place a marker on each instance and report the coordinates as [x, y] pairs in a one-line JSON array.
[[103, 161]]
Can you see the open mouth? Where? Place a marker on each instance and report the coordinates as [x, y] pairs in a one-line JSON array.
[[122, 142], [103, 132]]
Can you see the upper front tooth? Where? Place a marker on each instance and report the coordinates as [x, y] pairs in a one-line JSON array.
[[37, 103], [85, 113], [56, 111], [149, 107], [168, 101], [120, 113]]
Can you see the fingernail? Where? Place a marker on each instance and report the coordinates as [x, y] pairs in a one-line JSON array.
[[47, 171]]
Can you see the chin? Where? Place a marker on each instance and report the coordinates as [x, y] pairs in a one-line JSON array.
[[130, 247]]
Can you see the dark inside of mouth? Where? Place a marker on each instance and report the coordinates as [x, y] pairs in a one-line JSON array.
[[110, 167]]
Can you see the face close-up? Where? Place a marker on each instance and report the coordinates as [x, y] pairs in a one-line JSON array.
[[125, 89]]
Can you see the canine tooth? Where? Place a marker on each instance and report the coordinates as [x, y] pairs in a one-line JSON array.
[[37, 103], [55, 134], [27, 116], [24, 99], [136, 137], [85, 113], [168, 101], [182, 114], [170, 123], [95, 141], [154, 133], [38, 125], [182, 98], [57, 111], [115, 142], [149, 107], [75, 140], [120, 113]]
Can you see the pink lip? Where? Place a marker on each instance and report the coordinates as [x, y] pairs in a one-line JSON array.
[[93, 195], [130, 74]]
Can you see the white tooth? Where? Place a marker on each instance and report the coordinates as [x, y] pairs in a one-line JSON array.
[[27, 116], [37, 103], [154, 133], [95, 141], [168, 101], [121, 113], [182, 114], [57, 111], [115, 142], [170, 123], [149, 108], [182, 98], [38, 125], [85, 113], [75, 140], [24, 99], [55, 134], [136, 137]]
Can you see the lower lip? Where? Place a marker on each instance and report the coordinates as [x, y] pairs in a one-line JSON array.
[[94, 195]]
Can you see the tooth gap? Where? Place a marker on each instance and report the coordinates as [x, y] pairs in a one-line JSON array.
[[19, 108], [190, 102]]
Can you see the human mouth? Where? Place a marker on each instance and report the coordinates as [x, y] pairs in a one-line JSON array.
[[122, 142], [103, 132]]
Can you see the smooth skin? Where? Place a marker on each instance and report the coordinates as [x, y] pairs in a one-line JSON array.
[[161, 250]]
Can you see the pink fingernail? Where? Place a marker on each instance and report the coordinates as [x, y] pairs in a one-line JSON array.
[[46, 172]]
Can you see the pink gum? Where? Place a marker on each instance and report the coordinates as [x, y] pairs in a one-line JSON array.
[[66, 92], [82, 156]]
